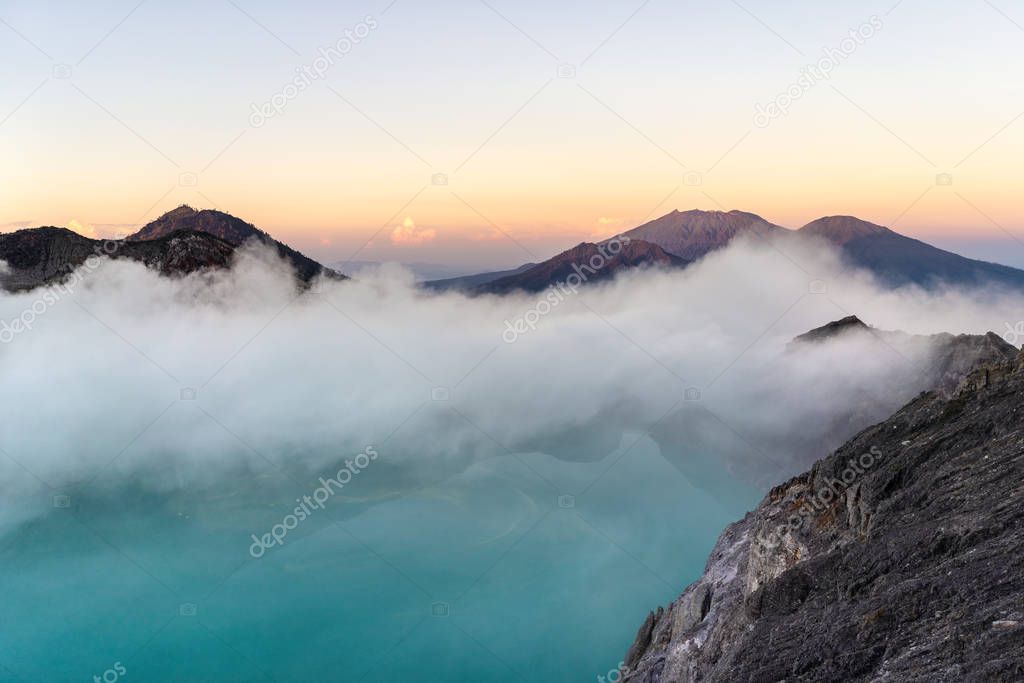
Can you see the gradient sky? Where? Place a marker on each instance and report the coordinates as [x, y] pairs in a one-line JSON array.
[[106, 107]]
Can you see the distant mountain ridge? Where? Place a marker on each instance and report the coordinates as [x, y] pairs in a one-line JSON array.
[[674, 240], [899, 260], [894, 259]]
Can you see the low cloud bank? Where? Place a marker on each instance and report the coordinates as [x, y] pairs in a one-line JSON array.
[[135, 380]]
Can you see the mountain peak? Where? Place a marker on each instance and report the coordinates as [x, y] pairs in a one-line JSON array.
[[180, 212], [842, 229], [833, 329], [691, 234], [229, 228], [217, 223]]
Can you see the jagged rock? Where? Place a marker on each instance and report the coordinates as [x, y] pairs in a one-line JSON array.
[[897, 558], [643, 638]]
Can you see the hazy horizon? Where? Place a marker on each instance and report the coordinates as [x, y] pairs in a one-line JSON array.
[[1007, 250]]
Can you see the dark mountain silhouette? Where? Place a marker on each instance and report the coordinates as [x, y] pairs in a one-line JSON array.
[[832, 330], [898, 260], [232, 230], [181, 241], [39, 256], [586, 261]]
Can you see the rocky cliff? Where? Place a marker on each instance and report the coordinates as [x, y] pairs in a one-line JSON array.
[[896, 558]]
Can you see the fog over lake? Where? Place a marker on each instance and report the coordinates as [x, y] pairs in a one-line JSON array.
[[472, 506]]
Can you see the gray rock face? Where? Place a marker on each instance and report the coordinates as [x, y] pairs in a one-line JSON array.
[[897, 558]]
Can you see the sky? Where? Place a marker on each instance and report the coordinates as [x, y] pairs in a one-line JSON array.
[[487, 133]]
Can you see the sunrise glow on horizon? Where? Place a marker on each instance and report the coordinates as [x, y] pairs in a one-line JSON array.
[[484, 133]]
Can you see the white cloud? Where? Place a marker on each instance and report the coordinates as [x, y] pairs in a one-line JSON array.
[[408, 233], [310, 379], [84, 230]]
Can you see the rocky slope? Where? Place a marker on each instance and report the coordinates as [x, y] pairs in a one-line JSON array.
[[896, 558], [232, 230], [897, 260], [181, 241], [39, 256]]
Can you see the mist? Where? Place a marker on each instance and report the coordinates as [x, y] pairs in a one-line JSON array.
[[542, 469], [178, 382]]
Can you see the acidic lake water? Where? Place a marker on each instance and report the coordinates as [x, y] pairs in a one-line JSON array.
[[520, 567]]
